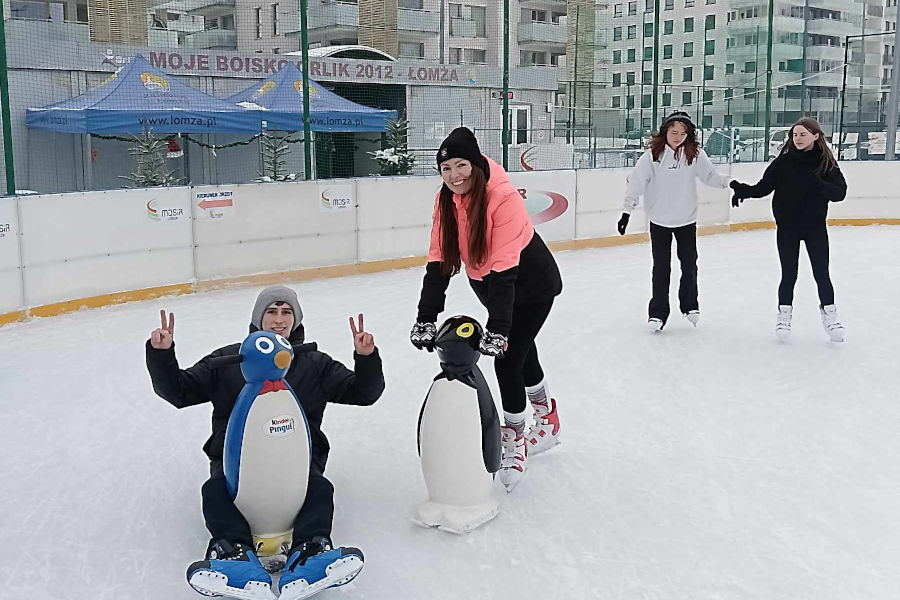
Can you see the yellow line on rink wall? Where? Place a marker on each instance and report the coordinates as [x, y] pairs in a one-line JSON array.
[[378, 266]]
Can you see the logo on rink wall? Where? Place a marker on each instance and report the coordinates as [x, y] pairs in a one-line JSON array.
[[4, 229], [338, 197], [163, 214], [542, 205], [280, 426]]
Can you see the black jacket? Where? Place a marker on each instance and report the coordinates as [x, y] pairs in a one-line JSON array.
[[801, 193], [535, 280], [315, 377]]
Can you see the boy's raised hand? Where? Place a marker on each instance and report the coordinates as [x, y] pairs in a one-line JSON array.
[[363, 342], [163, 337]]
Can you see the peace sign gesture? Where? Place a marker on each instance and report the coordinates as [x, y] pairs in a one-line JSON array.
[[363, 342], [162, 338]]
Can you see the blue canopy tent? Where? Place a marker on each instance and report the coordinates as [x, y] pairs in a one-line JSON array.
[[139, 94], [279, 101]]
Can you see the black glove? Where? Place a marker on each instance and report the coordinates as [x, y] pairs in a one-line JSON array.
[[740, 192], [422, 336], [492, 344], [623, 223]]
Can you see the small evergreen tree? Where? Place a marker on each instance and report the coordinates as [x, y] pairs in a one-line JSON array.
[[149, 151], [395, 158], [274, 148]]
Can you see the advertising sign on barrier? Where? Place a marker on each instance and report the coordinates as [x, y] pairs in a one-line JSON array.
[[550, 199], [336, 196], [214, 205]]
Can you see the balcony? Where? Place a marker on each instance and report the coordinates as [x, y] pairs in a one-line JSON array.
[[418, 20], [337, 16], [830, 27], [541, 33], [462, 27], [225, 39], [211, 9], [58, 31]]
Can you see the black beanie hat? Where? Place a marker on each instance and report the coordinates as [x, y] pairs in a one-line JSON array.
[[678, 115], [461, 143]]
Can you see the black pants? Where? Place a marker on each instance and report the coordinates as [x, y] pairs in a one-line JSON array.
[[225, 521], [661, 245], [519, 365], [816, 237]]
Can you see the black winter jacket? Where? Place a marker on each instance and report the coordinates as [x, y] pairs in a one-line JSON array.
[[315, 377], [801, 194], [535, 280]]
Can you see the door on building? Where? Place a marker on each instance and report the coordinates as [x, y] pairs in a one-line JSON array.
[[519, 125]]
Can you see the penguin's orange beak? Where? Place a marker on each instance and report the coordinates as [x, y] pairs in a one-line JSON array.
[[282, 359]]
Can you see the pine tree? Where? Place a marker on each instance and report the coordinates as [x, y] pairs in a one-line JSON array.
[[274, 148], [395, 158], [149, 151]]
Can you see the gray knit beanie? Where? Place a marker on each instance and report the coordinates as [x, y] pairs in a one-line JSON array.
[[272, 294]]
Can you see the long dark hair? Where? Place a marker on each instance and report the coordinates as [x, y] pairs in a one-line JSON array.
[[690, 146], [828, 160], [476, 211]]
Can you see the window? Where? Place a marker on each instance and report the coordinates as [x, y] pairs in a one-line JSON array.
[[629, 77], [687, 74], [617, 34], [648, 78], [729, 93], [616, 101], [708, 72], [668, 27], [629, 124], [257, 15], [667, 51], [727, 121], [478, 15], [632, 54], [686, 98], [412, 50], [688, 24], [750, 67], [649, 6], [617, 10], [689, 3], [707, 119], [667, 75], [710, 47], [646, 101], [648, 52], [617, 79], [617, 57], [455, 56], [537, 16], [688, 49], [632, 8], [632, 32], [749, 93], [748, 118], [648, 30], [710, 22], [707, 97], [670, 4], [413, 4], [630, 102], [729, 68], [554, 57], [455, 10], [475, 57], [667, 99], [274, 19]]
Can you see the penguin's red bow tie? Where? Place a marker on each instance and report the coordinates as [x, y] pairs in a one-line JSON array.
[[273, 386]]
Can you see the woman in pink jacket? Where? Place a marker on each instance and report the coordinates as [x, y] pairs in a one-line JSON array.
[[480, 221]]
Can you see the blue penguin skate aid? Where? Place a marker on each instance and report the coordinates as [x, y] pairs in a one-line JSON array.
[[459, 435]]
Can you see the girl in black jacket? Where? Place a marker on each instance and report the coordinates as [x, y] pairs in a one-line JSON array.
[[805, 177]]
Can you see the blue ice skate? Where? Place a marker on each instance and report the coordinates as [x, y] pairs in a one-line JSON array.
[[317, 566], [231, 570]]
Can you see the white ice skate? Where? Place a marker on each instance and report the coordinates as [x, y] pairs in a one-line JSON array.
[[830, 322], [515, 453], [655, 324], [693, 316], [544, 434], [783, 323]]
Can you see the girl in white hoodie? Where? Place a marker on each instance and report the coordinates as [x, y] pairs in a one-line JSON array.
[[665, 175]]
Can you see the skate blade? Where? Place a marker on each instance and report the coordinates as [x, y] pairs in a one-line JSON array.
[[210, 583], [338, 573], [836, 336]]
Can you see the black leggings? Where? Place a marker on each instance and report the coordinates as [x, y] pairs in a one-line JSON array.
[[225, 521], [661, 246], [519, 365], [816, 238]]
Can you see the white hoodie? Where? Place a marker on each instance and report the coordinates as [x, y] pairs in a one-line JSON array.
[[670, 194]]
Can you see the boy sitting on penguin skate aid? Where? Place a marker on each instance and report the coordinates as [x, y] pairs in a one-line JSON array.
[[232, 566]]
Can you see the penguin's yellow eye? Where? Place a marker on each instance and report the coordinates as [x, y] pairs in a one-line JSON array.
[[282, 341], [265, 345], [465, 330]]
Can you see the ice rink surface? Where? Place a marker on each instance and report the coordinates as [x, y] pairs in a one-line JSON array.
[[708, 463]]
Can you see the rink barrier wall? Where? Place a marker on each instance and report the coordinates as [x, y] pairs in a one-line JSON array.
[[65, 252]]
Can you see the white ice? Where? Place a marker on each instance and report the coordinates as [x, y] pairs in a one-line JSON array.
[[708, 463]]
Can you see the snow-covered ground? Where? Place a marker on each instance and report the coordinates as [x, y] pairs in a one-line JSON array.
[[696, 464]]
